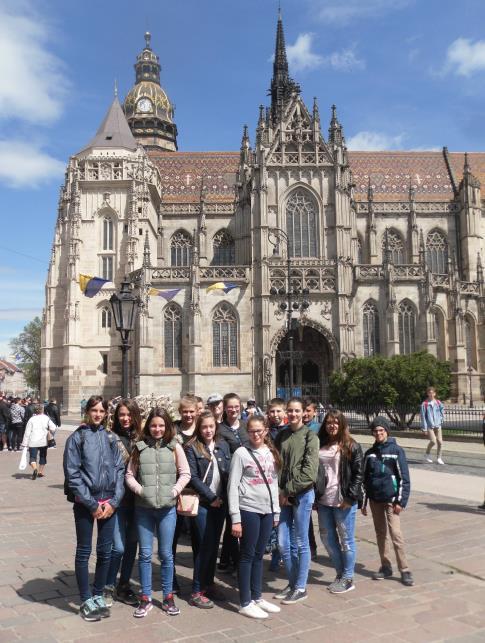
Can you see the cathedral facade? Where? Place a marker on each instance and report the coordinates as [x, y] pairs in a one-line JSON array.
[[319, 254]]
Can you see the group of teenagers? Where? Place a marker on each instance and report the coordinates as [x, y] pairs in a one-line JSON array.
[[261, 477]]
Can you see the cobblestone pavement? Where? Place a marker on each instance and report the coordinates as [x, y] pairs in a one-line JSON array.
[[445, 539]]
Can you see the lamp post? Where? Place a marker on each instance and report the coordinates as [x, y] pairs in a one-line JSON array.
[[470, 371], [292, 301], [125, 309]]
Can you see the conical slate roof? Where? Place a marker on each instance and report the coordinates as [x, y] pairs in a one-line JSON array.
[[114, 131]]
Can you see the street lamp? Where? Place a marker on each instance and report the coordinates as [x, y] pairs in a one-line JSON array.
[[125, 308], [292, 301], [470, 371]]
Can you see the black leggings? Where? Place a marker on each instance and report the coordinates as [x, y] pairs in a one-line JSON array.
[[15, 435]]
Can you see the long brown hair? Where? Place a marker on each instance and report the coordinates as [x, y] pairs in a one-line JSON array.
[[146, 435], [267, 439], [344, 439], [93, 400], [197, 441], [135, 414]]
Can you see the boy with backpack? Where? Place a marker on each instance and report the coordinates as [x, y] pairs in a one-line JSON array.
[[387, 487]]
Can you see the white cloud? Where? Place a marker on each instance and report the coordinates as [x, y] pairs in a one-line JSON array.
[[300, 55], [374, 141], [344, 11], [32, 82], [465, 57], [27, 165], [345, 60]]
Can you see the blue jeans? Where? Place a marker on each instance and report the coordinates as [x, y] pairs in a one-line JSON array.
[[42, 451], [256, 530], [162, 522], [293, 538], [124, 547], [84, 534], [208, 528], [337, 532]]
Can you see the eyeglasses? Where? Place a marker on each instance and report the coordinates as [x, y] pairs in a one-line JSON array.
[[378, 430], [256, 431]]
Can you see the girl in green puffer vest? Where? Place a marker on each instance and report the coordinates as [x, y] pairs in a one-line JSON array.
[[157, 473]]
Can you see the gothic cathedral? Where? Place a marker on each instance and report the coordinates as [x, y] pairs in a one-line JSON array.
[[316, 254]]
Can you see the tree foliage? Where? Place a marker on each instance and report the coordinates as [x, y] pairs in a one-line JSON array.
[[26, 348], [394, 385]]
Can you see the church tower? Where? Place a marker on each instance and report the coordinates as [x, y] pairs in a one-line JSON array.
[[147, 107]]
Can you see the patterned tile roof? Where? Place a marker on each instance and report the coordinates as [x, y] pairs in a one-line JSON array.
[[476, 160]]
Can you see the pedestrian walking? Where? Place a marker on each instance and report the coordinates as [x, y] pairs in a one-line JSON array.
[[254, 510], [339, 491], [432, 416], [387, 487], [127, 427], [209, 459], [298, 448], [16, 426], [157, 472], [4, 423], [94, 471], [35, 439]]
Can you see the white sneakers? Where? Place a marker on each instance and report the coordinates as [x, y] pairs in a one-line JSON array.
[[440, 461], [259, 609], [428, 458]]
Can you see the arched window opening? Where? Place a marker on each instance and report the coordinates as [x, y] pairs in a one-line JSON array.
[[370, 318], [107, 233], [360, 251], [396, 247], [301, 224], [172, 324], [181, 249], [470, 343], [105, 317], [224, 337], [437, 252], [407, 328], [223, 249]]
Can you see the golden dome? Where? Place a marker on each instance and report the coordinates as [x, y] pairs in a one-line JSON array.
[[156, 102]]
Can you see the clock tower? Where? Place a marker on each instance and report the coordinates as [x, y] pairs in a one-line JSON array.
[[147, 107]]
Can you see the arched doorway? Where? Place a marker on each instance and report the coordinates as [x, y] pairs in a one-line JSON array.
[[312, 365]]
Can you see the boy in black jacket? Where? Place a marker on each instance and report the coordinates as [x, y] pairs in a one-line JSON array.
[[387, 487]]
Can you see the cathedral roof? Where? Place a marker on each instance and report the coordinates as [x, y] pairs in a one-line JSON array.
[[114, 131]]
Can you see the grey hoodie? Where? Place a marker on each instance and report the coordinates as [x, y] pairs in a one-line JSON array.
[[246, 488]]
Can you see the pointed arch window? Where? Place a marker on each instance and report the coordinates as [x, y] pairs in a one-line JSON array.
[[107, 233], [106, 317], [172, 325], [181, 249], [370, 319], [470, 342], [407, 328], [224, 337], [360, 251], [301, 224], [223, 249], [396, 247], [437, 252]]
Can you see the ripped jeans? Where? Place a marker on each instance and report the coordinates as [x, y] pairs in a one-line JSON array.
[[337, 533]]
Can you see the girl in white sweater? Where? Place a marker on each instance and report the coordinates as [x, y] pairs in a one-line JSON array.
[[35, 437]]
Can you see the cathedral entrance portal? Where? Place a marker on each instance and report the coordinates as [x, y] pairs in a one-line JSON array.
[[312, 365]]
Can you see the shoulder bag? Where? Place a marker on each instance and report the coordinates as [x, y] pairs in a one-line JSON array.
[[188, 499]]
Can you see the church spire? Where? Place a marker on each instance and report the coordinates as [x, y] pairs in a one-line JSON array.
[[282, 86]]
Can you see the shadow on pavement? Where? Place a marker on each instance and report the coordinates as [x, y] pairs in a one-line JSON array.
[[445, 506], [58, 591]]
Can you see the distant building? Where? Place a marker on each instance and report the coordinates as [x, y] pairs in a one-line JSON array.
[[388, 245], [12, 380]]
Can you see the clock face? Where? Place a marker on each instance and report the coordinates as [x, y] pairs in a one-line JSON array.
[[145, 105]]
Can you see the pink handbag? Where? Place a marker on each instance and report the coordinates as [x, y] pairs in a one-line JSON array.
[[188, 500]]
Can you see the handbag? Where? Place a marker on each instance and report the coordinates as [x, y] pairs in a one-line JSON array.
[[188, 500], [51, 443], [23, 459]]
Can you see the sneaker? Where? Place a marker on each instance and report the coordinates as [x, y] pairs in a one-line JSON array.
[[334, 582], [295, 596], [283, 593], [168, 605], [108, 595], [268, 607], [144, 606], [253, 611], [35, 474], [482, 507], [407, 579], [124, 594], [199, 600], [440, 461], [428, 458], [344, 585], [103, 609], [89, 611], [384, 572]]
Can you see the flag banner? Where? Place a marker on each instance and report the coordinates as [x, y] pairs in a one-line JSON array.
[[166, 294], [90, 286], [221, 287]]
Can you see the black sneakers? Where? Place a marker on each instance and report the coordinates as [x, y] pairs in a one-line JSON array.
[[407, 579], [295, 596], [384, 572], [89, 611]]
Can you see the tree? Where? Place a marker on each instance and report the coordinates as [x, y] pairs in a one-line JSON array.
[[394, 385], [26, 348]]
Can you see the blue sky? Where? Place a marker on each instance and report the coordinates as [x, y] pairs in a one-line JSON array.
[[405, 74]]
